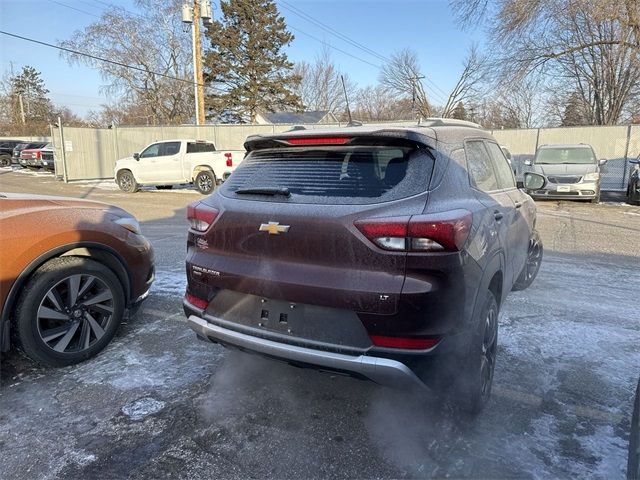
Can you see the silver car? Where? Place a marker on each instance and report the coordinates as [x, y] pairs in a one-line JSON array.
[[572, 172]]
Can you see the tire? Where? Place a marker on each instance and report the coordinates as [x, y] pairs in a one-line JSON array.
[[532, 266], [205, 182], [164, 187], [53, 328], [633, 462], [127, 182], [632, 194], [5, 161], [597, 198], [473, 380]]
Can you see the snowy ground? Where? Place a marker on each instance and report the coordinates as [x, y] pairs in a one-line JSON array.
[[158, 403]]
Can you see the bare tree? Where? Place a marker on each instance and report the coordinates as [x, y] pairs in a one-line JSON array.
[[376, 104], [321, 84], [587, 47], [153, 42], [401, 77], [470, 83]]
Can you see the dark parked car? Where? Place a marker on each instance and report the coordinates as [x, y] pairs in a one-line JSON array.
[[64, 288], [23, 146], [6, 151], [380, 252], [633, 464], [633, 189]]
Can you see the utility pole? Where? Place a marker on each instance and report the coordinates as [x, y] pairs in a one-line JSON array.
[[198, 64], [201, 9], [414, 80], [21, 107]]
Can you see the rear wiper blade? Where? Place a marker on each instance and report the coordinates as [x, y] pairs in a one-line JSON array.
[[265, 191]]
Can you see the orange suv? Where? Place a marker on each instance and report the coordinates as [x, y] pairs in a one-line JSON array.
[[69, 269]]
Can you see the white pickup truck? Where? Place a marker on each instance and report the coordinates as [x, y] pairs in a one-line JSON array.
[[172, 162]]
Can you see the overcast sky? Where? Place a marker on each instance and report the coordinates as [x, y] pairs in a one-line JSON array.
[[383, 26]]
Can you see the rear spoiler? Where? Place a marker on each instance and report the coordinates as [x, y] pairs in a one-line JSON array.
[[310, 138]]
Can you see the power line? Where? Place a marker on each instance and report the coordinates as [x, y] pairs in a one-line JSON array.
[[74, 8], [331, 46], [100, 59], [111, 5], [332, 31], [356, 44]]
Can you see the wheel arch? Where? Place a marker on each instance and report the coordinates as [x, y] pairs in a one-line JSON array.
[[492, 280], [123, 169], [101, 253], [201, 168]]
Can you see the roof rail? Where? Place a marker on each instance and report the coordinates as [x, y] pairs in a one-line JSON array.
[[448, 122]]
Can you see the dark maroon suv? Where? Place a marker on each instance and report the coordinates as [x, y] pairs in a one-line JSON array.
[[381, 252]]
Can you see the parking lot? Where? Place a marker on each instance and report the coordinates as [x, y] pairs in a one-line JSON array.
[[158, 403]]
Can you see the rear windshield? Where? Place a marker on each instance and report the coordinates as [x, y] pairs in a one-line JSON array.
[[334, 175], [200, 147], [574, 155]]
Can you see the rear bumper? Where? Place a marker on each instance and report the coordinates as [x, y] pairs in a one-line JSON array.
[[383, 371]]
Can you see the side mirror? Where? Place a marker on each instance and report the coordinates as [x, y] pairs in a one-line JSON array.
[[602, 161], [534, 181], [136, 156], [528, 163]]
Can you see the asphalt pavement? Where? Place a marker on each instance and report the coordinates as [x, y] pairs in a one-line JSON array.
[[158, 403]]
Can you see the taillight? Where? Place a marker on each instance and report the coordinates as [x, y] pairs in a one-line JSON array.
[[196, 302], [411, 343], [446, 231], [201, 216], [229, 156]]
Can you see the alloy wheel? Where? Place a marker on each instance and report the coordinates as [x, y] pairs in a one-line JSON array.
[[205, 183], [534, 257], [125, 182], [488, 359], [75, 313]]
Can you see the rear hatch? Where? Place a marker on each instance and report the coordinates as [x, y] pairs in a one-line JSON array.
[[285, 226]]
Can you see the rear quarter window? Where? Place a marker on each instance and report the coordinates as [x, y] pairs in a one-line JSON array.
[[334, 175]]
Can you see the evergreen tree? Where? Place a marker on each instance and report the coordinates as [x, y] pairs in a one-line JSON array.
[[28, 87], [459, 112], [245, 66]]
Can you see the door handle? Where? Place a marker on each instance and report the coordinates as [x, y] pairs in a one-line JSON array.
[[497, 215], [519, 204]]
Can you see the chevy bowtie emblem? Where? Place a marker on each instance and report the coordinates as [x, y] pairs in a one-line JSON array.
[[274, 228]]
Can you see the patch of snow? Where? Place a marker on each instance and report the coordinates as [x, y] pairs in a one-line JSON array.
[[142, 408], [35, 173], [609, 448], [169, 282]]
